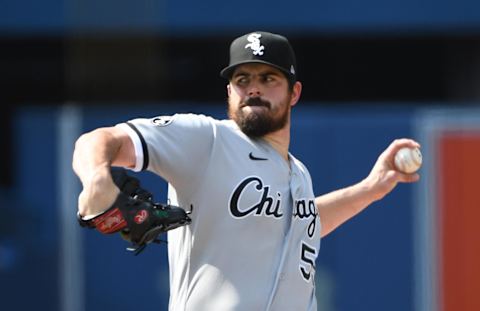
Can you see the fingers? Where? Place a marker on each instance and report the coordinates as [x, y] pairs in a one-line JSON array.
[[400, 143], [407, 178], [388, 155], [386, 160]]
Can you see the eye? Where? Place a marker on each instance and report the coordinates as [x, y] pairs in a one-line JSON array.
[[241, 80], [269, 78]]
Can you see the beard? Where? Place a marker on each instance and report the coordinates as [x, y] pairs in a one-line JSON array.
[[256, 124]]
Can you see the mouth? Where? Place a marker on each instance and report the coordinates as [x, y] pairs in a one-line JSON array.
[[255, 102]]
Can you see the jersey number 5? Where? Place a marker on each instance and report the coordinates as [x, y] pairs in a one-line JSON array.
[[307, 263]]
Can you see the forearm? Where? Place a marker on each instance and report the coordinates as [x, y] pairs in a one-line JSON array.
[[93, 156], [93, 151], [338, 206]]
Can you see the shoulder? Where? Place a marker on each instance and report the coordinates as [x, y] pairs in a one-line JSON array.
[[184, 119], [175, 120], [186, 124], [228, 125], [199, 121], [299, 165]]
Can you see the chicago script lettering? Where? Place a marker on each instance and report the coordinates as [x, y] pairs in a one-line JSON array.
[[301, 210], [266, 205]]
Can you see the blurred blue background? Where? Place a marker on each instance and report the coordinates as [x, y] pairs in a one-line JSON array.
[[214, 16], [370, 70]]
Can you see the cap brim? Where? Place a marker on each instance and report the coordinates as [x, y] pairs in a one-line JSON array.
[[227, 72]]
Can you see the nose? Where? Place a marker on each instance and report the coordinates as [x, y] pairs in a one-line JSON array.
[[254, 90]]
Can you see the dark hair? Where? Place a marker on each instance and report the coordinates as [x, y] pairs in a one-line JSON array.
[[291, 82]]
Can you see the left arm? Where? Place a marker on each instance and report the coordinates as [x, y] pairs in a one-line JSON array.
[[338, 206]]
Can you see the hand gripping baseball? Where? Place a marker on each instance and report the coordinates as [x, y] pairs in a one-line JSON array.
[[385, 176], [135, 215]]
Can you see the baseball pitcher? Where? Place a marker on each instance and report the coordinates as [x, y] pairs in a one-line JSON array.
[[244, 225]]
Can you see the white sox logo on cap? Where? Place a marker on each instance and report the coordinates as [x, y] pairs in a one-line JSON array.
[[254, 44], [261, 47]]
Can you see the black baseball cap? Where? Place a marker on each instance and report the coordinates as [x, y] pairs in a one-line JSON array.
[[262, 47]]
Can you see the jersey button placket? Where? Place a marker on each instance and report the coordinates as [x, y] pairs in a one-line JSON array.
[[295, 186]]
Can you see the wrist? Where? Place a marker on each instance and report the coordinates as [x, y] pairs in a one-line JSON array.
[[370, 188], [98, 194]]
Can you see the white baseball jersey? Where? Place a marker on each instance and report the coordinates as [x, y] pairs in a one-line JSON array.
[[255, 231]]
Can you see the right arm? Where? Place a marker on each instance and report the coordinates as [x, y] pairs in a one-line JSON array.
[[338, 206], [95, 152]]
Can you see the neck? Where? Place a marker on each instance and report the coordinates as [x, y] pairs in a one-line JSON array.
[[280, 140]]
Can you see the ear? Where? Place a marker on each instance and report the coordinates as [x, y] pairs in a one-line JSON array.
[[229, 90], [296, 92]]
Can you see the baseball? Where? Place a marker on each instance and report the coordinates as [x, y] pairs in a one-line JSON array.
[[408, 160]]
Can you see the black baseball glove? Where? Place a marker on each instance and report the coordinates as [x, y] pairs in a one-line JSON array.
[[135, 215]]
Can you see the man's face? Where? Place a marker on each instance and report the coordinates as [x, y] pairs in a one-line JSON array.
[[259, 99]]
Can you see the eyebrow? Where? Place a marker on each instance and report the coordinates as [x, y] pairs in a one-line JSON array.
[[264, 73]]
